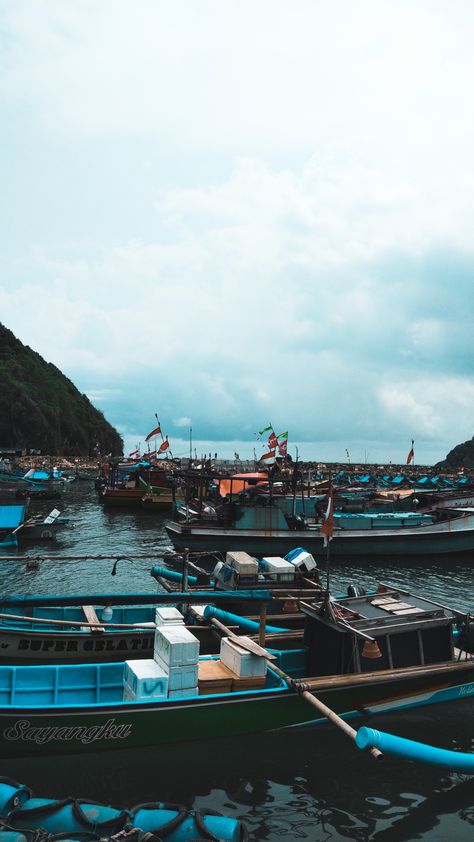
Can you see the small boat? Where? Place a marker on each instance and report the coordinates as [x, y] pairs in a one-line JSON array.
[[38, 528], [386, 651], [79, 819]]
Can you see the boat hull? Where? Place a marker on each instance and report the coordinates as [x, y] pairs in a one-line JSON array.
[[47, 731], [436, 539]]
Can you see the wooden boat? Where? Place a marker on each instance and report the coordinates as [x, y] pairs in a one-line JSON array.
[[264, 530], [382, 652]]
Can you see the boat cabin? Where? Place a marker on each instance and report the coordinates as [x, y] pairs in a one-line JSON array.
[[379, 631]]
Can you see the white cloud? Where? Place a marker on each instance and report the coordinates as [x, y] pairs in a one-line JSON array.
[[289, 177]]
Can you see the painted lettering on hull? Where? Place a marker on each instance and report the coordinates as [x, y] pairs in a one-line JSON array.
[[95, 644], [23, 730]]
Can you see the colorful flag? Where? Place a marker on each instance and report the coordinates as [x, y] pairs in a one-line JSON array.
[[135, 454], [328, 525], [411, 455], [272, 440], [164, 446], [283, 435], [268, 458], [283, 448], [265, 430], [154, 433]]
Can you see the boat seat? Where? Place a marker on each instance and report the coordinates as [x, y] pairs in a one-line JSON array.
[[92, 617]]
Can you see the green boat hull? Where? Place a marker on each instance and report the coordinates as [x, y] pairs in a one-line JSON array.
[[29, 731]]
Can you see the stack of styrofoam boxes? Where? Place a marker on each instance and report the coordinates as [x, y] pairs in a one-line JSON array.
[[144, 679], [176, 652], [280, 569], [248, 669], [302, 560]]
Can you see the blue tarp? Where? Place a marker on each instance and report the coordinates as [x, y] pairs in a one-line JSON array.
[[11, 516]]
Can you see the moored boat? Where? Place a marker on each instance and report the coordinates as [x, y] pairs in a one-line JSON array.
[[390, 650]]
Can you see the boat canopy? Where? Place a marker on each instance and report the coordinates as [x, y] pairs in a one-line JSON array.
[[239, 482], [11, 516]]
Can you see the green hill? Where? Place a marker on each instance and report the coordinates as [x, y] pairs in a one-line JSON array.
[[41, 409], [461, 456]]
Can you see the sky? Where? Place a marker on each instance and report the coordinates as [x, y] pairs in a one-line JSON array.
[[240, 212]]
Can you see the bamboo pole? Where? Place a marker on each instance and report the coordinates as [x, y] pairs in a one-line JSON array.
[[300, 688]]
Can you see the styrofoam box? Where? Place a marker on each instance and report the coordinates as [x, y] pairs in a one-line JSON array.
[[178, 694], [180, 677], [167, 615], [145, 678], [130, 696], [175, 645], [240, 661], [282, 570], [243, 563], [304, 561]]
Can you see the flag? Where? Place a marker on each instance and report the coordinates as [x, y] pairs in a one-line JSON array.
[[268, 458], [272, 440], [135, 454], [265, 430], [328, 525], [164, 446], [411, 455], [283, 448], [283, 435], [154, 433]]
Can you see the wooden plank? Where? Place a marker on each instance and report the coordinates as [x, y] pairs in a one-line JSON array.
[[92, 617]]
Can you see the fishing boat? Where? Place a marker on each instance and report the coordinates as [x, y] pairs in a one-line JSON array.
[[385, 651], [265, 530], [114, 626]]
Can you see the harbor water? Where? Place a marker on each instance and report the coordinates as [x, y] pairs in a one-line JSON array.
[[296, 785]]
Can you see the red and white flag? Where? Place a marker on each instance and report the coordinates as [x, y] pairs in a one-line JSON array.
[[268, 458], [272, 441], [283, 447], [164, 446], [328, 525], [135, 454], [411, 454], [154, 433]]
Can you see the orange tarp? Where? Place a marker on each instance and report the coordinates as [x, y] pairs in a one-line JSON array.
[[239, 482]]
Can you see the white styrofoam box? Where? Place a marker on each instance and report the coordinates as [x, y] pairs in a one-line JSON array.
[[167, 615], [304, 561], [243, 563], [178, 694], [281, 570], [175, 645], [180, 677], [145, 678], [240, 661]]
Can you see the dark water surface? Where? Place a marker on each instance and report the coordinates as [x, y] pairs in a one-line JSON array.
[[302, 785]]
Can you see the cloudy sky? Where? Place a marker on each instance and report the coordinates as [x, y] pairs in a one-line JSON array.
[[231, 212]]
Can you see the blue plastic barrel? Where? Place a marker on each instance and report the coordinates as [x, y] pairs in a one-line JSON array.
[[178, 825], [12, 795]]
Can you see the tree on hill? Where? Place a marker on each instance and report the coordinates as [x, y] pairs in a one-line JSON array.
[[41, 409]]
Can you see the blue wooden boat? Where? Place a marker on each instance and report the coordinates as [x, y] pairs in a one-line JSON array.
[[385, 651]]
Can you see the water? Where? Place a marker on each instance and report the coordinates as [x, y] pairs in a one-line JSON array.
[[303, 785]]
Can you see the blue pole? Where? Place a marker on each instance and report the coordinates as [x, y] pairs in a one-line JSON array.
[[410, 750], [228, 618]]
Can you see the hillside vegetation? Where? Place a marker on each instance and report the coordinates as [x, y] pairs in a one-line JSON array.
[[461, 456], [41, 409]]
